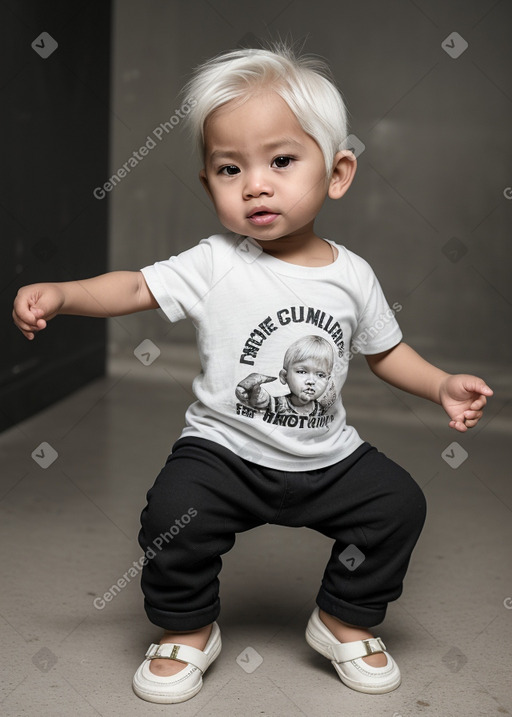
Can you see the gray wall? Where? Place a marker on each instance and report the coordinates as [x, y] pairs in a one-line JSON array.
[[436, 164]]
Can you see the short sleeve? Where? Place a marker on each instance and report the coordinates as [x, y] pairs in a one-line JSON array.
[[377, 329], [181, 283]]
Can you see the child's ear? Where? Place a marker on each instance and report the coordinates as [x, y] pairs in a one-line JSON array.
[[344, 169], [282, 375], [204, 181]]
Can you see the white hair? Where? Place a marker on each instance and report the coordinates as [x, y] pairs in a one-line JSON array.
[[304, 82]]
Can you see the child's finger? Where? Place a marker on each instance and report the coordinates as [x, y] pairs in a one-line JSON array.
[[30, 326], [479, 403], [24, 309], [458, 425], [22, 322], [26, 327], [255, 379], [476, 385], [27, 331], [23, 313], [36, 311], [472, 414], [471, 418]]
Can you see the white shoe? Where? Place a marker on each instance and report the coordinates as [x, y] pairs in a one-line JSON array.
[[184, 684], [346, 658]]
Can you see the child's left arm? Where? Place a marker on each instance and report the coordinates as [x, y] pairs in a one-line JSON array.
[[462, 396]]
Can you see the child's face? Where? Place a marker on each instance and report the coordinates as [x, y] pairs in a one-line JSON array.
[[307, 380], [264, 174]]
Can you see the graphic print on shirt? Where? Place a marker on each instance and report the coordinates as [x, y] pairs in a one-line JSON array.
[[306, 370]]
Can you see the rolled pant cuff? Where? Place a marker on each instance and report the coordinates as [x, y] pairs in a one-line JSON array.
[[352, 614], [182, 621]]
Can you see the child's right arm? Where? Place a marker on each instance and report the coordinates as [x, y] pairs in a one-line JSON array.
[[113, 294]]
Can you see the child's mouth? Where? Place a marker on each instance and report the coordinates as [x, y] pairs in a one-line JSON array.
[[262, 217]]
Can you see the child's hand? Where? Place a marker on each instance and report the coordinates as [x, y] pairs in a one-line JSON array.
[[35, 305], [463, 397], [249, 389]]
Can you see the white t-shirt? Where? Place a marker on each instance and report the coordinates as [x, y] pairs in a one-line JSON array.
[[275, 341]]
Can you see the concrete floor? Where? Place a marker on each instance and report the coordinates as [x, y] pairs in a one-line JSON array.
[[69, 533]]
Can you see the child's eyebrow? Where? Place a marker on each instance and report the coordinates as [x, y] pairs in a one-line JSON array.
[[281, 143]]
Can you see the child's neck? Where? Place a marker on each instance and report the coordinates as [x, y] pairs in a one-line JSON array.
[[307, 251]]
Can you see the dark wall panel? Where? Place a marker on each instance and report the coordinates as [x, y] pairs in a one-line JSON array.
[[54, 94]]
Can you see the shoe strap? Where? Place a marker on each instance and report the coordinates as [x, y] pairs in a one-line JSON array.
[[182, 653], [347, 651]]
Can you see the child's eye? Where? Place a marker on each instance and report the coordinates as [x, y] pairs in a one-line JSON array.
[[230, 170], [282, 162]]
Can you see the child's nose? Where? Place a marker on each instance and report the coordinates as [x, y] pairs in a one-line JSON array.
[[257, 183]]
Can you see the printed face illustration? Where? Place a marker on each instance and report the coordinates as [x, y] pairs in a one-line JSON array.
[[307, 380]]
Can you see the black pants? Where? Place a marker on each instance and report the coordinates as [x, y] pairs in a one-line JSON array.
[[371, 507]]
